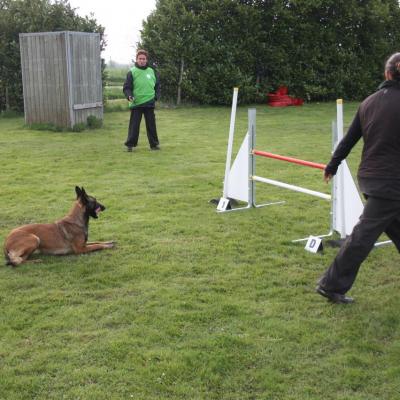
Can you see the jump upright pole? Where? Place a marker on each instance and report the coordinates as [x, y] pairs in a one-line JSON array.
[[230, 141]]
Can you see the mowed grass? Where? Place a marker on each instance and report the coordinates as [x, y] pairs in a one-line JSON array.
[[115, 78], [191, 304]]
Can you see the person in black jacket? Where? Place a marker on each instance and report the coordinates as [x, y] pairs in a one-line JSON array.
[[377, 121], [142, 89]]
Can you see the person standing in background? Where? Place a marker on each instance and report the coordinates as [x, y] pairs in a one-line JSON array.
[[142, 90]]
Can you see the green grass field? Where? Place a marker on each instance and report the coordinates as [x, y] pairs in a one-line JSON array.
[[191, 304], [115, 78]]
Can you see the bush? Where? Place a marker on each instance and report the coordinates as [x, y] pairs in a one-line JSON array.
[[94, 122], [79, 127], [320, 50]]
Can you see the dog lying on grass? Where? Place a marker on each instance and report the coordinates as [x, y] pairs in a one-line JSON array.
[[66, 236]]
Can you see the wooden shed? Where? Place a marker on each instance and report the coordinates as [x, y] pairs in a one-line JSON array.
[[61, 76]]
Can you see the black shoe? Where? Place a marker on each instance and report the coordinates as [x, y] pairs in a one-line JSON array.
[[155, 148], [337, 298]]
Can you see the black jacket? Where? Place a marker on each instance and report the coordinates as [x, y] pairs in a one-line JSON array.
[[378, 122], [129, 85]]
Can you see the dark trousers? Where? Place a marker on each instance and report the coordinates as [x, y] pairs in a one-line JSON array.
[[379, 215], [134, 127]]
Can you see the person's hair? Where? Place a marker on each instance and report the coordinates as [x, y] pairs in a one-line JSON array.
[[393, 66], [142, 52]]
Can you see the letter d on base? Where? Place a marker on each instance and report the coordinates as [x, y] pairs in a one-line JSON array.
[[224, 204], [314, 244]]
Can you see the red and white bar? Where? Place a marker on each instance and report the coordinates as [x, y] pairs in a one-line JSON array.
[[291, 187], [289, 159]]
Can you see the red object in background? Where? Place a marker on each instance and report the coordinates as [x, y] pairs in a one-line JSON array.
[[281, 99], [298, 102], [282, 91]]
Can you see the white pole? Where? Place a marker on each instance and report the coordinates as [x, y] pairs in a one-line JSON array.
[[333, 184], [230, 142], [339, 125], [292, 187], [252, 162], [339, 119]]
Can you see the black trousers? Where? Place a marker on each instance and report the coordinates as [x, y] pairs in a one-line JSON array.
[[379, 215], [134, 126]]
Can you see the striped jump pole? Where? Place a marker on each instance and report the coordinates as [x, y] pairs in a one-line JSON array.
[[289, 159]]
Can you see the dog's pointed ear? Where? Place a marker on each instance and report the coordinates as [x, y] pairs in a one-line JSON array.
[[78, 192], [84, 198], [81, 195]]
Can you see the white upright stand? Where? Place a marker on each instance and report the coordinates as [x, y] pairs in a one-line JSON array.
[[224, 203], [347, 204]]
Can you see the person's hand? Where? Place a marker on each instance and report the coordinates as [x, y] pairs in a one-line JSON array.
[[130, 98], [327, 177]]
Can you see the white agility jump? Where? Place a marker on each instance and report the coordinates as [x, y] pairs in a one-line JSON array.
[[240, 178]]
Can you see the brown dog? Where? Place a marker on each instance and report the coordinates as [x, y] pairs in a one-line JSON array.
[[66, 236]]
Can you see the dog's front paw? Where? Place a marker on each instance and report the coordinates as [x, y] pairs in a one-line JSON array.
[[110, 245]]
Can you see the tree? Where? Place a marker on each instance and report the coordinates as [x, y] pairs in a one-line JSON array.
[[198, 56], [341, 45], [173, 49], [321, 49], [23, 16]]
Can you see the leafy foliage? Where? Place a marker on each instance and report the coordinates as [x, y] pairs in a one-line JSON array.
[[321, 49], [24, 16], [93, 122]]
